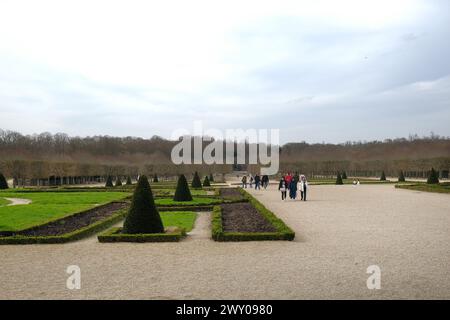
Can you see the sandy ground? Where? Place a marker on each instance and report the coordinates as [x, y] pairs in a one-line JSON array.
[[341, 231]]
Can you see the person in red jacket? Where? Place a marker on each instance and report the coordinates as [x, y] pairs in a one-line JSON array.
[[288, 179]]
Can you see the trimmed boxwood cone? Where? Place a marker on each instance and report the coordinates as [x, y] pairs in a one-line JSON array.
[[344, 175], [211, 177], [401, 177], [383, 176], [155, 178], [109, 182], [182, 192], [433, 178], [206, 182], [339, 179], [143, 217], [3, 182], [129, 183], [118, 182], [196, 183]]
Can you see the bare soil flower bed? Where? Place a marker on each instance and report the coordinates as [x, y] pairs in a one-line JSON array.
[[243, 217], [75, 222], [230, 193]]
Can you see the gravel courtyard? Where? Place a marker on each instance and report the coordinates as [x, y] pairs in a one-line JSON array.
[[341, 230]]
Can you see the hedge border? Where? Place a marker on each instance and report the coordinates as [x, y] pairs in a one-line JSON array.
[[68, 237], [283, 231], [113, 236]]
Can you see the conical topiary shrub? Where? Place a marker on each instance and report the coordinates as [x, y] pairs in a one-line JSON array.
[[129, 183], [155, 178], [211, 177], [182, 192], [383, 176], [143, 217], [344, 175], [109, 182], [3, 182], [433, 178], [339, 179], [401, 177], [206, 182], [196, 183], [118, 182]]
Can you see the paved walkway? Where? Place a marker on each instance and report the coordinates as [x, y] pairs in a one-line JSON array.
[[340, 232]]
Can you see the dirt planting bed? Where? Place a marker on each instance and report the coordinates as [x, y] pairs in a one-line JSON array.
[[75, 222], [231, 193], [243, 217]]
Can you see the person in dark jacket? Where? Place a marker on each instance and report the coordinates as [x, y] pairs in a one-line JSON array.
[[257, 182], [265, 181], [293, 189], [283, 189]]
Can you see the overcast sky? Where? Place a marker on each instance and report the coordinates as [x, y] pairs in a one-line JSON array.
[[318, 70]]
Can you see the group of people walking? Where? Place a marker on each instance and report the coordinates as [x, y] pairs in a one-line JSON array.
[[289, 184], [257, 180], [292, 184]]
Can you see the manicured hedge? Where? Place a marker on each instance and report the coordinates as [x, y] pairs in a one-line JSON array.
[[114, 235], [283, 231], [72, 236], [191, 208]]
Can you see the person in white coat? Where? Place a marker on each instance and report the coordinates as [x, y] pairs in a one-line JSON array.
[[303, 187]]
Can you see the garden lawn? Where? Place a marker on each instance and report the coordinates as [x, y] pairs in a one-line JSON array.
[[182, 219], [346, 181], [4, 202], [48, 206], [438, 188], [197, 201]]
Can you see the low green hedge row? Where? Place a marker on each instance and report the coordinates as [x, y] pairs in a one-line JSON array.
[[191, 208], [269, 215], [114, 235], [283, 231], [72, 236]]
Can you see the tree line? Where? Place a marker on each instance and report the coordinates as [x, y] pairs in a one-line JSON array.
[[60, 159]]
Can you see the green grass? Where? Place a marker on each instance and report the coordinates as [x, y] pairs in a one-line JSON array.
[[182, 219], [195, 202], [4, 202], [346, 181], [48, 206], [437, 188]]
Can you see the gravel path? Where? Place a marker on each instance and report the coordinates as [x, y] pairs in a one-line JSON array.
[[341, 231], [202, 227]]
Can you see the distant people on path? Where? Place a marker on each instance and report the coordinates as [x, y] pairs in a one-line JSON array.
[[257, 182], [283, 189], [303, 186], [251, 181], [244, 182], [265, 181]]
